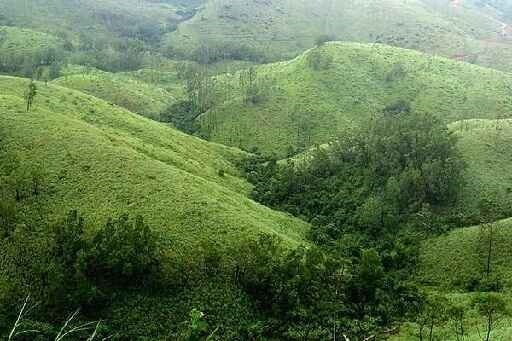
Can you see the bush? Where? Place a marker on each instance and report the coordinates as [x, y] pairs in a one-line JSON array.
[[124, 252], [182, 115], [319, 60]]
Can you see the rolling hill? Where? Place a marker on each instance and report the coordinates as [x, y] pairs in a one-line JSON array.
[[280, 29], [451, 265], [484, 147], [463, 250], [98, 18], [104, 160], [108, 34], [121, 89], [316, 96]]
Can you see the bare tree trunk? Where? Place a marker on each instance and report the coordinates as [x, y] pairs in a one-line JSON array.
[[421, 331], [489, 327]]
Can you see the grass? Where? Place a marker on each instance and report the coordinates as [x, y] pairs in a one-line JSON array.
[[475, 326], [284, 29], [104, 160], [305, 105], [100, 19], [122, 89], [451, 261], [483, 145], [148, 91], [19, 41]]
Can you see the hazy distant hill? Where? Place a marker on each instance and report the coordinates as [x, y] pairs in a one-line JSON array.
[[277, 29]]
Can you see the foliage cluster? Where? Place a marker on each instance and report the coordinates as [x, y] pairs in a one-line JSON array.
[[397, 170]]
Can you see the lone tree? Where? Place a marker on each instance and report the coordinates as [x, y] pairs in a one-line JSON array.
[[494, 308], [489, 236], [30, 94]]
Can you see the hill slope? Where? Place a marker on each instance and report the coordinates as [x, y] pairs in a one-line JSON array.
[[464, 250], [314, 97], [281, 29], [104, 18], [104, 160], [121, 89], [484, 146]]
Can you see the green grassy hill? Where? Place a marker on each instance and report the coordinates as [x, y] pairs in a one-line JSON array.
[[281, 29], [451, 264], [121, 89], [108, 34], [315, 97], [104, 160], [103, 18], [484, 147], [474, 323], [454, 260], [148, 91]]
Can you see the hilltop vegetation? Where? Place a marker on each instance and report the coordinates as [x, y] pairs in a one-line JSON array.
[[322, 93]]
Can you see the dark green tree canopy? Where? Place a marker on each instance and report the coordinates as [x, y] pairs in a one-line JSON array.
[[373, 180]]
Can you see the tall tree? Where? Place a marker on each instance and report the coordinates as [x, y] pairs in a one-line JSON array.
[[30, 94], [494, 308]]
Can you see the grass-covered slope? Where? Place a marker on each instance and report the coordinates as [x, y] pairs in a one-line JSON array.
[[453, 265], [282, 29], [475, 324], [457, 259], [148, 91], [484, 145], [103, 18], [315, 97], [104, 161], [121, 89]]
